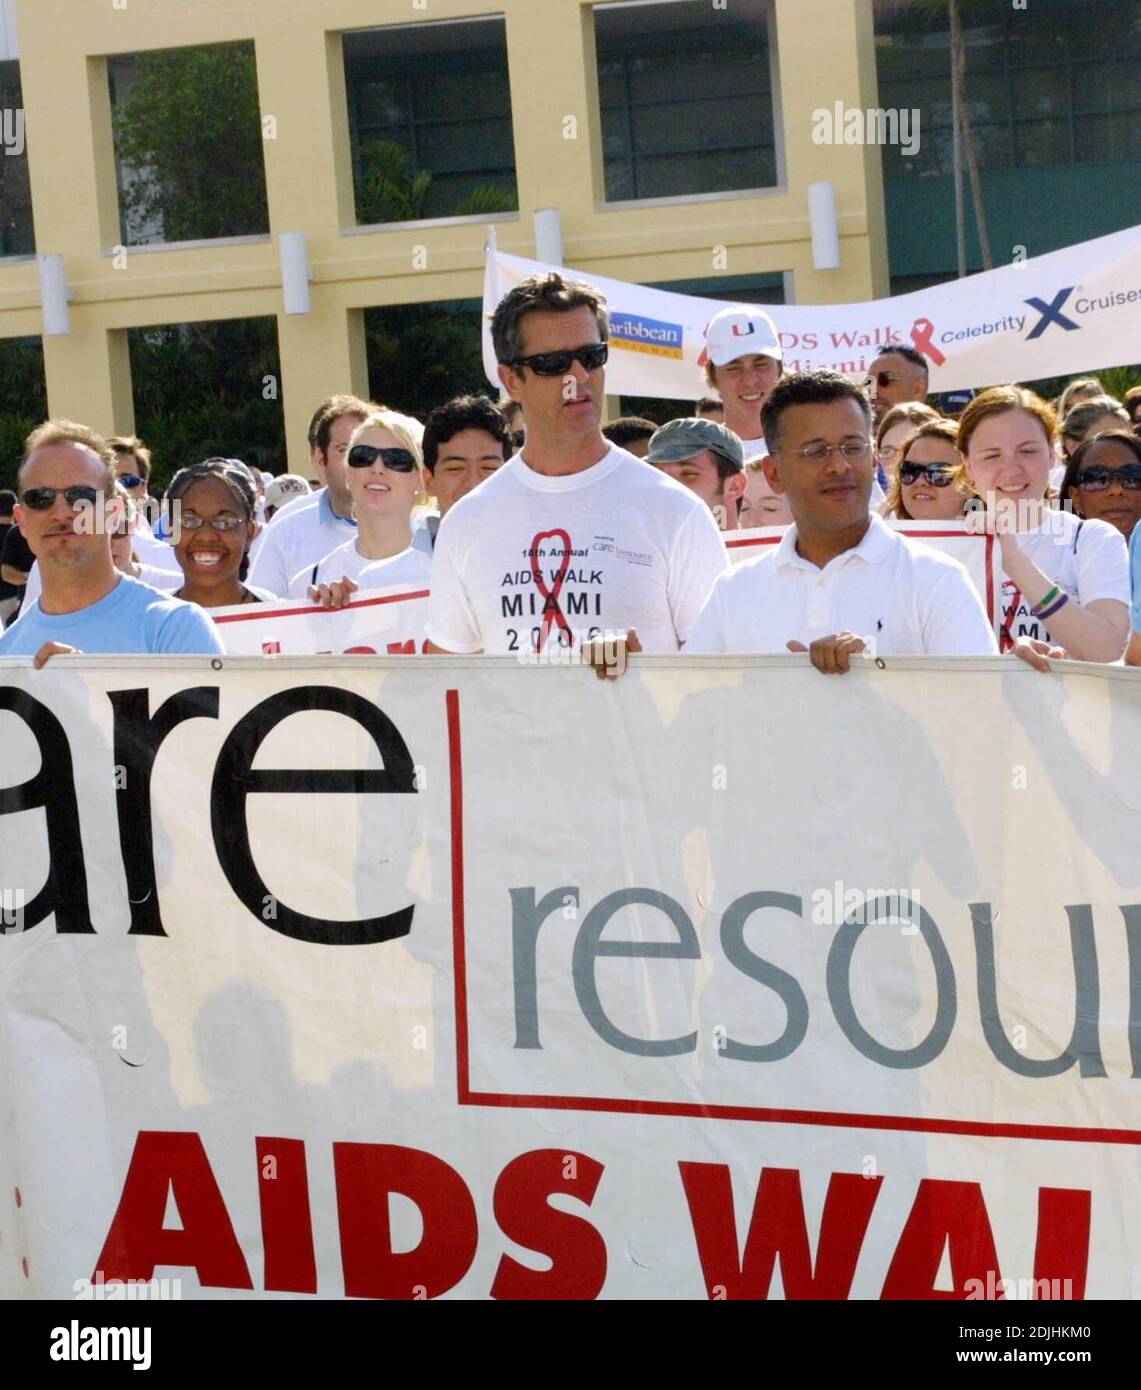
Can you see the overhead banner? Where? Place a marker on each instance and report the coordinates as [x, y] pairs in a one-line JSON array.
[[409, 978], [976, 553], [1067, 311], [377, 622]]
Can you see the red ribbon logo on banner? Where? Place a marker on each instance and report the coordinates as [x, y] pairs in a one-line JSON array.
[[921, 331], [552, 612]]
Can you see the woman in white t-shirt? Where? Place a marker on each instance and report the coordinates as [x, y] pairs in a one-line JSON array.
[[386, 481], [1066, 580]]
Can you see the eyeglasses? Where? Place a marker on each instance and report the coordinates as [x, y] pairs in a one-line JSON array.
[[937, 474], [216, 523], [591, 355], [852, 451], [1097, 479], [40, 499], [129, 479], [365, 455]]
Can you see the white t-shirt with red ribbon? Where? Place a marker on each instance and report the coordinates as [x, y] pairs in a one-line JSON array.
[[526, 560]]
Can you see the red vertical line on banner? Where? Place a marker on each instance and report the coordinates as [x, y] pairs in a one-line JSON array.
[[459, 964], [995, 618], [286, 1224]]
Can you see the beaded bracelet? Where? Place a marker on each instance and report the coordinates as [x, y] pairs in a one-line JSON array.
[[1044, 613]]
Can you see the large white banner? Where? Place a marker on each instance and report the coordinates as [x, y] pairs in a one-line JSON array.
[[724, 980], [1067, 311]]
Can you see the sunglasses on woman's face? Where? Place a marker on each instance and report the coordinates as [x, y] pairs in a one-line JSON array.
[[937, 474], [1097, 479], [365, 455], [41, 499], [130, 480], [592, 356]]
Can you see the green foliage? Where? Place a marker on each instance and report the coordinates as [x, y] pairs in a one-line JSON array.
[[1116, 380], [23, 400], [200, 390], [390, 189], [189, 128], [420, 355]]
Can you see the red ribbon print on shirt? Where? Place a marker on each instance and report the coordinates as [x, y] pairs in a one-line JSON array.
[[552, 612]]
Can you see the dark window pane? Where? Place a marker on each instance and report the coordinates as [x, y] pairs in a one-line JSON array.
[[1041, 92], [198, 392], [987, 97], [686, 99], [430, 121], [16, 233], [1042, 142], [672, 175]]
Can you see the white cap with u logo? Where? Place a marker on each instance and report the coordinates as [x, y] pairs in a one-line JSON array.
[[737, 331]]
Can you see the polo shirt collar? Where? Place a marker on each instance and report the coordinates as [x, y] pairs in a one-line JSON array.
[[873, 549], [328, 515]]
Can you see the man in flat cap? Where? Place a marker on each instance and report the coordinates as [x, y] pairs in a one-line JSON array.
[[707, 458]]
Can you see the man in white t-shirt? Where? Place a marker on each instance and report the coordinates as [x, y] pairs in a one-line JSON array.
[[305, 532], [573, 539], [841, 581], [744, 361]]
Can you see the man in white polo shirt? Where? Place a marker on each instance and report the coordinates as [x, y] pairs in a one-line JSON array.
[[744, 363], [573, 538], [840, 581], [306, 531]]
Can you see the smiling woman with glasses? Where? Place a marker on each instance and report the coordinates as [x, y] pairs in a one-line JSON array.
[[213, 509]]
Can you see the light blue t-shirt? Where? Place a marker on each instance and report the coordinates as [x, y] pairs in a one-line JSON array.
[[132, 619], [1135, 577]]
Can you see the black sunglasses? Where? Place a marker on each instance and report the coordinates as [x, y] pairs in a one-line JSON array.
[[591, 355], [40, 499], [880, 379], [937, 474], [365, 455], [1097, 479]]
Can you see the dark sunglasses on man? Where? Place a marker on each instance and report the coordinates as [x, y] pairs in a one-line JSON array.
[[365, 455], [1098, 479], [591, 355], [937, 474], [42, 499], [881, 379], [129, 480]]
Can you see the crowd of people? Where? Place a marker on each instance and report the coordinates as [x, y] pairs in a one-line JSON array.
[[535, 527]]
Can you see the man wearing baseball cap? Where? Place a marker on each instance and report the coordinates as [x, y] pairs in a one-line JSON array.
[[282, 489], [708, 459], [744, 363]]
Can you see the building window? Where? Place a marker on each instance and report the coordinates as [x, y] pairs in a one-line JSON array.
[[421, 355], [687, 98], [208, 388], [430, 121], [1054, 84], [23, 400], [16, 234], [188, 144]]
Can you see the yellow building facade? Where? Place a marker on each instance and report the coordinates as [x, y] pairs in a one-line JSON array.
[[823, 54]]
